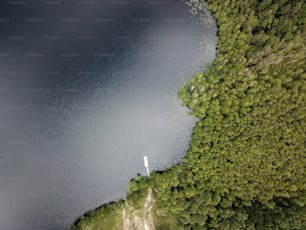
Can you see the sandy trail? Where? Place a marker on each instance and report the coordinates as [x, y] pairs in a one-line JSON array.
[[132, 221]]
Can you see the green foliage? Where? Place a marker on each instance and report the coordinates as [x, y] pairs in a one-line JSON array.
[[107, 217], [138, 192], [245, 168]]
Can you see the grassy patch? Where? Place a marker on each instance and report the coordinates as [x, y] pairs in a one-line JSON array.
[[108, 217]]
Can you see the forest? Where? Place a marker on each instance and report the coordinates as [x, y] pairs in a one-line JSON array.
[[245, 167]]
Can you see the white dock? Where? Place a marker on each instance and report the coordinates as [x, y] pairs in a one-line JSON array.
[[146, 165]]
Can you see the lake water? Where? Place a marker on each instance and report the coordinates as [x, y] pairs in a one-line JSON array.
[[87, 88]]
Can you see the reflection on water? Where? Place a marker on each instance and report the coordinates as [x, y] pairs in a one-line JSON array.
[[86, 89]]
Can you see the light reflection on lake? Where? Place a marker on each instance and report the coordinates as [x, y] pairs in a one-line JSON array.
[[85, 91]]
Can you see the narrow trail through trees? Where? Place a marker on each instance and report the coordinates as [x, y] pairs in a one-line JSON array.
[[139, 219]]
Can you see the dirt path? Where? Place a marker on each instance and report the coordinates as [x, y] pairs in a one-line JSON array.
[[139, 219]]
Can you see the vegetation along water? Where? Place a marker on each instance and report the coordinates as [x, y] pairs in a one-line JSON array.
[[245, 168]]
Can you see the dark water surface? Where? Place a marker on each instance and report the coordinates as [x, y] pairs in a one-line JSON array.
[[86, 89]]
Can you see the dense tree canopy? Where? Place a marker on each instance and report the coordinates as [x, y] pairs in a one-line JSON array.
[[245, 168]]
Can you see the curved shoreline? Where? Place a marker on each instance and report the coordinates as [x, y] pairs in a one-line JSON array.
[[232, 177], [111, 204]]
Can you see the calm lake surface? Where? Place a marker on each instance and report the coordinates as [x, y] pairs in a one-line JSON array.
[[87, 88]]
